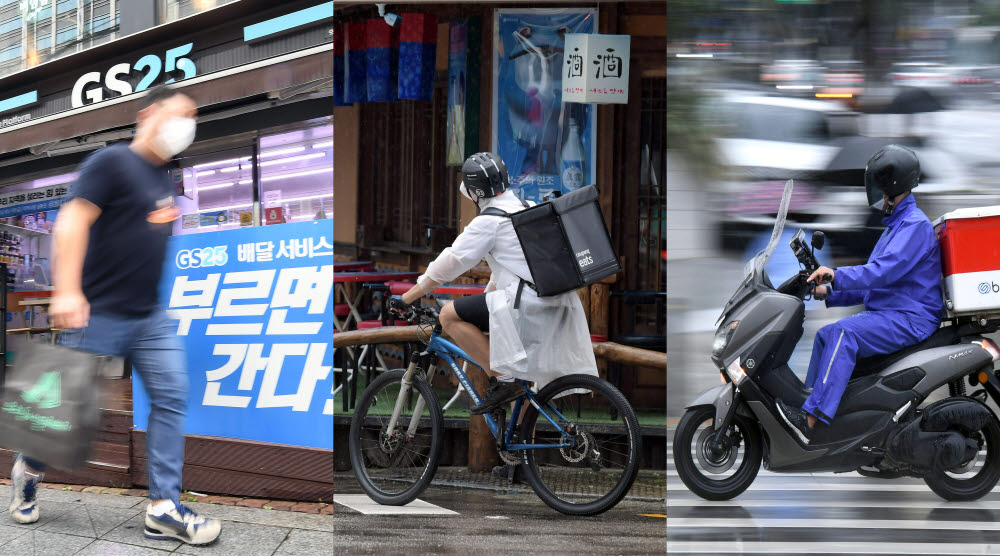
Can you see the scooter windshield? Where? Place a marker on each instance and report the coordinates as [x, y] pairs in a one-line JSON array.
[[760, 261], [753, 272]]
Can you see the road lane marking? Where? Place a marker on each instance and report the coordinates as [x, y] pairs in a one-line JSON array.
[[811, 523], [365, 505], [930, 504], [753, 547]]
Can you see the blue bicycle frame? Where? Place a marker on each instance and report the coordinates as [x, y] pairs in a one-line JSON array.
[[448, 351]]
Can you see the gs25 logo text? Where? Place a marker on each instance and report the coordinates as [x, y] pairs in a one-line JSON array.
[[204, 257], [88, 86]]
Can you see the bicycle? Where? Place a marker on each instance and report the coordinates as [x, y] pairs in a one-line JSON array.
[[579, 467]]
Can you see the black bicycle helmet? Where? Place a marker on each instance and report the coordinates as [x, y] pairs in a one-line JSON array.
[[484, 175], [892, 171]]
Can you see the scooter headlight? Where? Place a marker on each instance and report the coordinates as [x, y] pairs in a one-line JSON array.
[[722, 338]]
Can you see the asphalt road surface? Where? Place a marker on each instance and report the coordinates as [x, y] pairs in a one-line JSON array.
[[488, 522], [827, 513]]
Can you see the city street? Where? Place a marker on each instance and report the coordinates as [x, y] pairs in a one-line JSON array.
[[825, 513], [452, 520]]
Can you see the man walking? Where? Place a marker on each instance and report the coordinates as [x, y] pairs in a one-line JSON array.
[[110, 241]]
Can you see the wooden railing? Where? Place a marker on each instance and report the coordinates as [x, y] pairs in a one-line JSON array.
[[608, 351]]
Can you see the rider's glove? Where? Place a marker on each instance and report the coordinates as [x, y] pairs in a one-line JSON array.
[[398, 308]]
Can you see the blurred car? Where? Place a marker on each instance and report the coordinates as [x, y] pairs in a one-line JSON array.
[[773, 139], [793, 77], [843, 80], [921, 74], [764, 140]]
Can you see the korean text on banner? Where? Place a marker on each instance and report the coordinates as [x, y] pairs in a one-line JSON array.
[[255, 311]]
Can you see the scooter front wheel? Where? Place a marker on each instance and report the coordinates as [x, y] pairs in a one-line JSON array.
[[717, 471]]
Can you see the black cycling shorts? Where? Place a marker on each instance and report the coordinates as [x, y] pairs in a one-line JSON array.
[[472, 308]]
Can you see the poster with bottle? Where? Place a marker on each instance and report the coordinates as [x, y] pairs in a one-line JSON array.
[[547, 144], [29, 222]]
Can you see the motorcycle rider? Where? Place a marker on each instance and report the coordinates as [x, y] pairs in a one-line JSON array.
[[900, 287]]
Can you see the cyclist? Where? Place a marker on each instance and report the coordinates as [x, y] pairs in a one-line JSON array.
[[541, 339]]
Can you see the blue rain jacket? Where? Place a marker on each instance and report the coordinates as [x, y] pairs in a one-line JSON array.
[[903, 273]]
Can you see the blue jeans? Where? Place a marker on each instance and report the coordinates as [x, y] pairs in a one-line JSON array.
[[152, 345]]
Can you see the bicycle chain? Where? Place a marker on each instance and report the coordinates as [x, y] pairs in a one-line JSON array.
[[511, 458]]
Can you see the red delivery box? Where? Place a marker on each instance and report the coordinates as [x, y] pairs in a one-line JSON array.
[[970, 259]]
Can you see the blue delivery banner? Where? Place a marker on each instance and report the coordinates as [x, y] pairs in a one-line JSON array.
[[547, 144], [254, 308]]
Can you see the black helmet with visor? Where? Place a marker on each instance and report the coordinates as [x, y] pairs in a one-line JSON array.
[[892, 171]]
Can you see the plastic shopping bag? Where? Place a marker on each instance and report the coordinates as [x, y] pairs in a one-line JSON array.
[[50, 405]]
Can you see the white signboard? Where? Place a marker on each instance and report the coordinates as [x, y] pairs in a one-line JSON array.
[[272, 198], [33, 200], [596, 68]]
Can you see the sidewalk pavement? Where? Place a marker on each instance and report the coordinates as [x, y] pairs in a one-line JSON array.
[[94, 521]]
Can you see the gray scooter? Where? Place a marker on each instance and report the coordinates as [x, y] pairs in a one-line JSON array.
[[880, 429]]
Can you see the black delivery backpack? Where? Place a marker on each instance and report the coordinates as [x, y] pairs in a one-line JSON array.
[[565, 241]]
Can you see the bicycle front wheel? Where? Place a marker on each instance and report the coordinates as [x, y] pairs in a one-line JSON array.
[[394, 466], [596, 472]]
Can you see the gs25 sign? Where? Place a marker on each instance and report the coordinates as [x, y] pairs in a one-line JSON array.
[[151, 64]]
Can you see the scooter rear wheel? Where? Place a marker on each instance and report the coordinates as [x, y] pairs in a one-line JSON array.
[[979, 480], [705, 470]]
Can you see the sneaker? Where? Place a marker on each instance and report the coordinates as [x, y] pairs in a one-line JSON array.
[[181, 524], [797, 419], [497, 394], [23, 505]]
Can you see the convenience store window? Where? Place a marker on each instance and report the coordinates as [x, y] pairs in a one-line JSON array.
[[26, 222], [216, 192], [296, 173]]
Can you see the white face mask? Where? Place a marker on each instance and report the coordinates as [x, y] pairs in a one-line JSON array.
[[176, 134], [467, 194]]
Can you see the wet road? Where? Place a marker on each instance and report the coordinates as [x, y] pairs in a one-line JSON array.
[[827, 513], [495, 523]]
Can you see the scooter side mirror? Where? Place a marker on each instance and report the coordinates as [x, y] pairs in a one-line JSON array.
[[818, 240]]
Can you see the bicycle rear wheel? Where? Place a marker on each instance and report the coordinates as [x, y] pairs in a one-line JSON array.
[[394, 467], [596, 473]]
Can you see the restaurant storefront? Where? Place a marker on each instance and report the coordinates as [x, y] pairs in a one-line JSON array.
[[484, 69], [251, 255]]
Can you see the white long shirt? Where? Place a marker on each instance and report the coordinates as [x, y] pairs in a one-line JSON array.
[[545, 337]]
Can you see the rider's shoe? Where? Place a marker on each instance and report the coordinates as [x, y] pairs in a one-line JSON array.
[[497, 394], [797, 419], [503, 472], [23, 504]]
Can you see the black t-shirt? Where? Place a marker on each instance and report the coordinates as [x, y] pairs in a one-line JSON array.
[[128, 242]]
